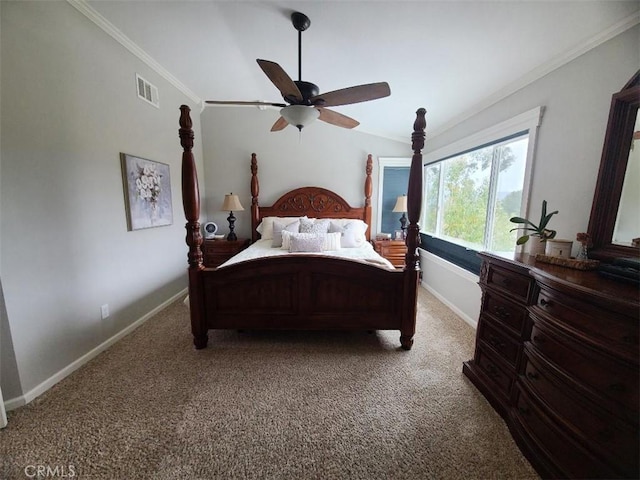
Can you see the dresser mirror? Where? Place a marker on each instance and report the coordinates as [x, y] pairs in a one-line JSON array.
[[613, 220]]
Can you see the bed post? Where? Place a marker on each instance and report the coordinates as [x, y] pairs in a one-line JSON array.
[[255, 189], [191, 205], [414, 204], [368, 190]]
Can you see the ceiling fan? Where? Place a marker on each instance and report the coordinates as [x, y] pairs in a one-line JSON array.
[[305, 103]]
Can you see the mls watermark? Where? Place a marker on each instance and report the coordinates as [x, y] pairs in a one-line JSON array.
[[50, 471]]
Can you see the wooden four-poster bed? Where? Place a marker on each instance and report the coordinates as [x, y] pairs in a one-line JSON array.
[[302, 292]]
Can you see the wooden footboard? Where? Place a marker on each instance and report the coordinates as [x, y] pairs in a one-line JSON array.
[[303, 292]]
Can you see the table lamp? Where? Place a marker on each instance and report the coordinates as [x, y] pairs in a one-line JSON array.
[[231, 203], [401, 206]]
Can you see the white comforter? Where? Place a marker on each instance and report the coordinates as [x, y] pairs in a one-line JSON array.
[[262, 248]]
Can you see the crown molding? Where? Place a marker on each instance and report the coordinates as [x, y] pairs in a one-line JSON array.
[[544, 69], [130, 45]]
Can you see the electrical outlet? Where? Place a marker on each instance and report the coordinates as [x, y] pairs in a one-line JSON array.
[[104, 310]]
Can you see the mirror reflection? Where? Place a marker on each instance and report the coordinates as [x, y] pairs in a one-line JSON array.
[[627, 227]]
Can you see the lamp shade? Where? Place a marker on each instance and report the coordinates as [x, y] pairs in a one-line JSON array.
[[401, 204], [231, 203], [300, 115]]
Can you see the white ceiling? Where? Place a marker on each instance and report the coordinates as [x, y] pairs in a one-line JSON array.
[[451, 57]]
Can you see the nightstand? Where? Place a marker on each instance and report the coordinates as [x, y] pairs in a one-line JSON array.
[[392, 250], [216, 252]]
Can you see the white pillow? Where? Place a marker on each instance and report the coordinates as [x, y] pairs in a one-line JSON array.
[[332, 241], [265, 228], [352, 233], [286, 239], [311, 225], [303, 242], [280, 225]]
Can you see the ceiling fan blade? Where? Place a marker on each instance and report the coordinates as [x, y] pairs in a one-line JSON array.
[[232, 102], [357, 94], [280, 124], [338, 119], [281, 80]]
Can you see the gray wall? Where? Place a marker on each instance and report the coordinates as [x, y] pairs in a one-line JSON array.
[[69, 107], [323, 155], [576, 98]]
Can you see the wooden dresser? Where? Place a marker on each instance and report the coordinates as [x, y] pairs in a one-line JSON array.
[[216, 252], [392, 250], [557, 356]]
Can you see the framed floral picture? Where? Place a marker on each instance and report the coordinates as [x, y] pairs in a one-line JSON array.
[[147, 192]]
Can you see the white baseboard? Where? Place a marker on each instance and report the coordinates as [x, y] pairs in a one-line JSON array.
[[16, 402], [454, 286], [451, 306]]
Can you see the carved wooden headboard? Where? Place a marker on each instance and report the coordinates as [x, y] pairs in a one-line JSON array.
[[314, 202]]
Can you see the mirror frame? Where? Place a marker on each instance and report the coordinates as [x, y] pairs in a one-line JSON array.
[[613, 166]]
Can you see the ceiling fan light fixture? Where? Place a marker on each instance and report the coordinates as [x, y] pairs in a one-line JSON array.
[[300, 115]]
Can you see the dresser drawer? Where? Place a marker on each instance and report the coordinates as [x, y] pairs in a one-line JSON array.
[[495, 372], [505, 312], [499, 340], [568, 455], [616, 333], [614, 380], [616, 441], [516, 285]]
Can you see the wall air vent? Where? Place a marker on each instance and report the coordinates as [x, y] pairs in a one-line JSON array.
[[147, 92]]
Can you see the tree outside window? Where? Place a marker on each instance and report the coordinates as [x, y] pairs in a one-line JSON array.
[[470, 197]]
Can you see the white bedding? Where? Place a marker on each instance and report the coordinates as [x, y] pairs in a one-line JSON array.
[[262, 248]]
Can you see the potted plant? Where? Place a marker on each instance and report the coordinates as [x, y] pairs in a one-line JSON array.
[[532, 230]]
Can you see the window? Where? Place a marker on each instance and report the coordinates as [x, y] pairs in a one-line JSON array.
[[473, 187], [393, 179]]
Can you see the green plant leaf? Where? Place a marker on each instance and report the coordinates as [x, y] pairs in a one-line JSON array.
[[522, 220], [545, 220], [522, 239], [526, 229]]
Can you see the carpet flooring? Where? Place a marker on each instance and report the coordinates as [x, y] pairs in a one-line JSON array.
[[268, 405]]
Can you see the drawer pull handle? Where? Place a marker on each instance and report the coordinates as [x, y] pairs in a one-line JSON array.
[[502, 312], [506, 282], [523, 410], [495, 341], [545, 303], [532, 375], [538, 339], [617, 387]]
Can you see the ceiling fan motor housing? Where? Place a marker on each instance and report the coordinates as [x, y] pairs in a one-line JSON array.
[[308, 90]]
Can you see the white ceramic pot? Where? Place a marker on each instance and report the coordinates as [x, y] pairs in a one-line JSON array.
[[558, 248], [535, 246]]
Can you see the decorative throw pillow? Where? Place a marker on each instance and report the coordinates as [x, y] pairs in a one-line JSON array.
[[279, 226], [265, 227], [286, 239], [352, 233], [307, 243], [308, 225], [332, 241]]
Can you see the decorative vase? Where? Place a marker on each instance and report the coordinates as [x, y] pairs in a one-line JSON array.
[[582, 252], [535, 246]]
